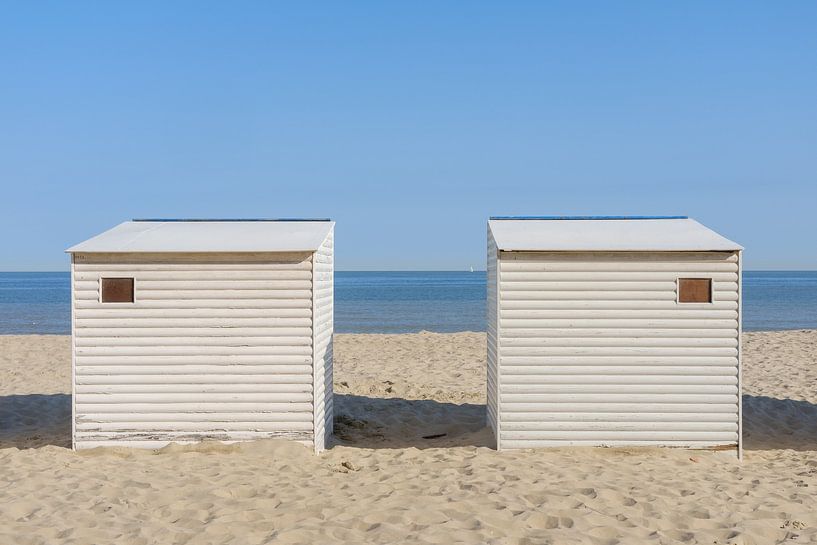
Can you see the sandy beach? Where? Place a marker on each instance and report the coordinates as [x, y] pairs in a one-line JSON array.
[[386, 481]]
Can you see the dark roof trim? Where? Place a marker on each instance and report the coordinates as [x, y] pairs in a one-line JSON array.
[[171, 220], [588, 217]]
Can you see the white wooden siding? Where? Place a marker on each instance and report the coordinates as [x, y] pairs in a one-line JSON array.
[[596, 350], [323, 282], [215, 346], [492, 310]]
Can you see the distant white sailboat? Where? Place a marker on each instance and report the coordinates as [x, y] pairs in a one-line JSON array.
[[472, 269]]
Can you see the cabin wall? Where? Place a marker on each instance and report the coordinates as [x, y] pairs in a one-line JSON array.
[[214, 346], [492, 315], [596, 350], [323, 312]]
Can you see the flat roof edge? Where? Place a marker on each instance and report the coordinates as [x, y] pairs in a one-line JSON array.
[[499, 218], [701, 250], [289, 251], [237, 220]]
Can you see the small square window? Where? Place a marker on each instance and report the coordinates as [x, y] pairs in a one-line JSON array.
[[117, 290], [694, 290]]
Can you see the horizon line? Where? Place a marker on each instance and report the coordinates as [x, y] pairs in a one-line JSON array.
[[399, 270]]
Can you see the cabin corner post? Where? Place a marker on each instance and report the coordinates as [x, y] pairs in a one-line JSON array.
[[492, 333], [498, 347], [73, 362], [315, 419], [488, 309], [322, 341], [329, 419], [740, 354]]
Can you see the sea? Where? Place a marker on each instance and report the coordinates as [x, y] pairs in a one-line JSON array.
[[405, 302]]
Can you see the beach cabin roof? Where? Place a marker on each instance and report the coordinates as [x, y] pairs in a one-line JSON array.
[[209, 235], [605, 233]]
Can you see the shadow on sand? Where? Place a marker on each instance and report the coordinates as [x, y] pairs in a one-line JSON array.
[[770, 423], [376, 422], [38, 420], [370, 422], [35, 420]]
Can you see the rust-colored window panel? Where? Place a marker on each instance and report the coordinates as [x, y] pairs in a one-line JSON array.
[[694, 290], [117, 290]]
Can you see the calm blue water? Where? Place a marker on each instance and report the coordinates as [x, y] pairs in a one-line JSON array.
[[394, 302], [399, 302], [35, 302]]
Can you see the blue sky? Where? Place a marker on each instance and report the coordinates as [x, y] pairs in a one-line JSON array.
[[409, 124]]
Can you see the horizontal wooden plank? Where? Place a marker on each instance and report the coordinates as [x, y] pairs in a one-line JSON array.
[[658, 351], [615, 295], [214, 416], [616, 305], [159, 377], [533, 391], [618, 266], [520, 383], [177, 332], [631, 342], [514, 373], [166, 370], [237, 397], [596, 323], [720, 361], [535, 418], [614, 435], [190, 322], [203, 275], [597, 405], [201, 359], [133, 438], [680, 313], [173, 388], [620, 332], [587, 287], [203, 426], [208, 304], [541, 276], [144, 286], [619, 426], [204, 295], [83, 443], [125, 312], [213, 406], [702, 445], [191, 350], [590, 396], [124, 342]]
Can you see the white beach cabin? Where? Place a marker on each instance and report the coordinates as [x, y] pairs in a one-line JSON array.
[[613, 331], [186, 330]]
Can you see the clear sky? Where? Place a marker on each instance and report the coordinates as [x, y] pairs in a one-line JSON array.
[[408, 123]]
